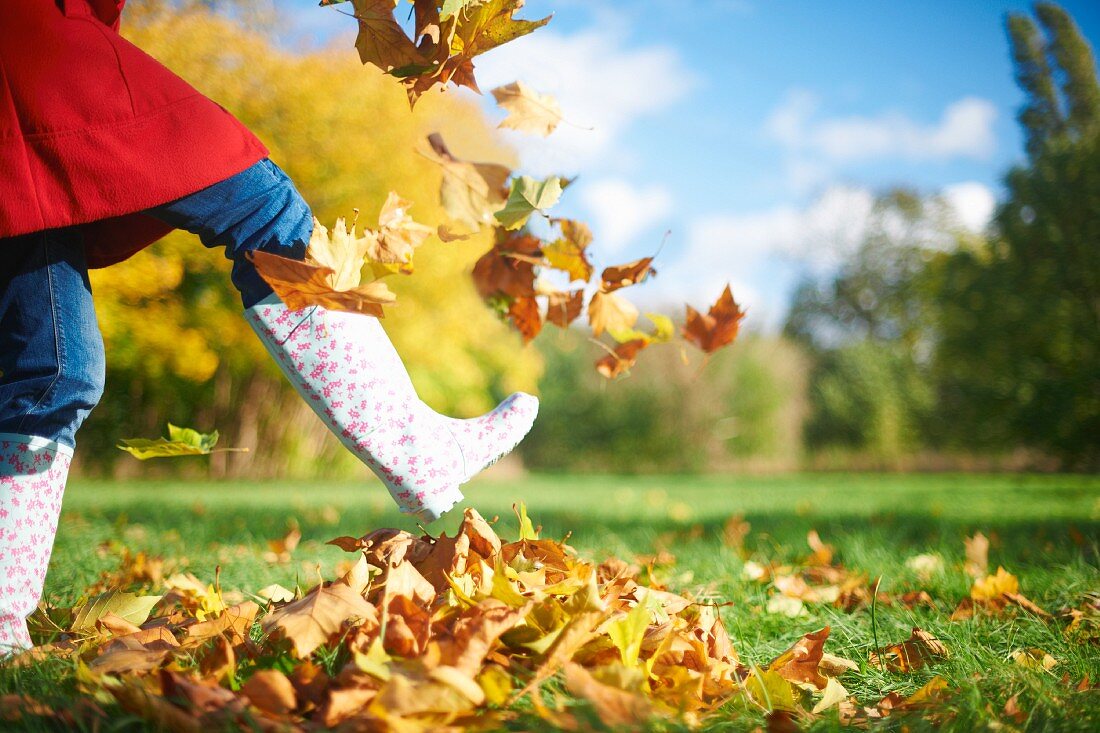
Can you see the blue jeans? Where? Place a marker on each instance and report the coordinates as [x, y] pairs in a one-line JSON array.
[[52, 363]]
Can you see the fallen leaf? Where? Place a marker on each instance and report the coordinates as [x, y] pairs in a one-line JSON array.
[[920, 649], [321, 614]]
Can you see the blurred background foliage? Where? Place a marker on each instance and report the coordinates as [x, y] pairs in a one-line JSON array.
[[926, 347]]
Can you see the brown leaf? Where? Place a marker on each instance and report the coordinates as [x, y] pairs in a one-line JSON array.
[[564, 307], [621, 276], [313, 620], [621, 359], [616, 708], [301, 284], [270, 691], [920, 649], [381, 40], [718, 327], [509, 267], [234, 621], [477, 630], [525, 316], [801, 662]]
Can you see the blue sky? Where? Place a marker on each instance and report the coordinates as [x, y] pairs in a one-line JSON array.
[[757, 131]]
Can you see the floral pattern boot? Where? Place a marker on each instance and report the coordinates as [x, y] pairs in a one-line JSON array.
[[346, 369], [32, 480]]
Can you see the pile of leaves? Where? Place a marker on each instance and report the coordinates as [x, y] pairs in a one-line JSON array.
[[424, 633]]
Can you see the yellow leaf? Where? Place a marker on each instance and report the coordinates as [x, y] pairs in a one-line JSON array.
[[527, 110], [610, 312]]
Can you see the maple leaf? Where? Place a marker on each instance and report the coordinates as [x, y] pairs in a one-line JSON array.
[[330, 275], [610, 312], [383, 43], [527, 110], [526, 197], [718, 327], [321, 614], [469, 192], [483, 27], [398, 235]]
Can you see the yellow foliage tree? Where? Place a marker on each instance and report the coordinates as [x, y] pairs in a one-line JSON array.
[[178, 348]]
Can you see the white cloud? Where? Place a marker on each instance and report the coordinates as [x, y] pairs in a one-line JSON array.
[[964, 130], [603, 85], [819, 234], [621, 211], [973, 204]]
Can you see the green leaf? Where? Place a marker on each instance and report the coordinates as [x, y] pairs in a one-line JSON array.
[[203, 441], [526, 197], [180, 442], [526, 529], [130, 606], [452, 7], [627, 632], [663, 331]]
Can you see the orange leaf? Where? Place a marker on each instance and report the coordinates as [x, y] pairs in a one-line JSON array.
[[300, 284], [624, 356], [718, 327], [631, 273], [920, 649], [313, 620], [564, 307], [270, 691], [524, 312]]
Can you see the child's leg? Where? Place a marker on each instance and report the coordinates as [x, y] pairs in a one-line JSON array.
[[259, 208], [51, 376]]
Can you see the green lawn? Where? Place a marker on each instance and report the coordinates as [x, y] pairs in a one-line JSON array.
[[1044, 529]]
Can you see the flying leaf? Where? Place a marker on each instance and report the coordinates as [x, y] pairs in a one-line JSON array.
[[470, 193], [621, 276], [621, 359], [526, 197], [330, 275], [528, 110], [525, 316], [398, 235], [382, 41], [663, 330], [610, 312], [718, 327], [508, 268], [569, 252], [564, 307], [180, 442]]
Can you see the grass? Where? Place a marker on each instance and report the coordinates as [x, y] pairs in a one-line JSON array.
[[1044, 529]]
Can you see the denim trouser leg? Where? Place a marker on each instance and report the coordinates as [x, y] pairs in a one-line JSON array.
[[258, 208], [51, 352]]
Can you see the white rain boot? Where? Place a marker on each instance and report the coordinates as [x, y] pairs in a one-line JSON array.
[[32, 480], [346, 369]]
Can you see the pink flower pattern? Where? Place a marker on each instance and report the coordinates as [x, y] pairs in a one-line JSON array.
[[32, 481], [346, 369]]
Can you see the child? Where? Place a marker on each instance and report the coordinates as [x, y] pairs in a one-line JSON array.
[[103, 151]]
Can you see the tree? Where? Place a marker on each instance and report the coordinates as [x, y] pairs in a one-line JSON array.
[[1019, 352]]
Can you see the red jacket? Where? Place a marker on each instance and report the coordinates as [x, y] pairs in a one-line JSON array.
[[93, 130]]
